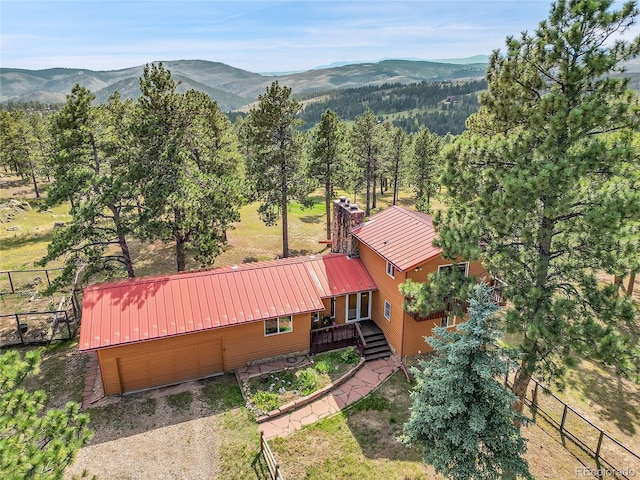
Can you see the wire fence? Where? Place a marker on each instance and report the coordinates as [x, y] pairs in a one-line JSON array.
[[31, 316], [16, 281], [613, 459]]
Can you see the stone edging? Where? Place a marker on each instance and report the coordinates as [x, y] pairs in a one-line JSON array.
[[288, 407]]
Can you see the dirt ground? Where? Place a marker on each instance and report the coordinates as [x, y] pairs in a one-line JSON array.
[[165, 433]]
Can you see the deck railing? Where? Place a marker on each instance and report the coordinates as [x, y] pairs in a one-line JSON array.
[[337, 336], [361, 343]]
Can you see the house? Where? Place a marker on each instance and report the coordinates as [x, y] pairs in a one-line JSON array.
[[161, 330]]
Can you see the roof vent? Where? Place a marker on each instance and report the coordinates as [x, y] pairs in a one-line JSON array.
[[353, 206], [343, 199]]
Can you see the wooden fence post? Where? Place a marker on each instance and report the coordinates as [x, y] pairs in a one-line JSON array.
[[11, 282], [598, 447], [19, 329], [564, 417], [46, 272]]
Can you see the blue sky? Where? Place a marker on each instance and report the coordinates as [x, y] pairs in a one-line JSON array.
[[259, 36]]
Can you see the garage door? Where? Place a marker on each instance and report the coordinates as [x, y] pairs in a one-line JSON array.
[[153, 368]]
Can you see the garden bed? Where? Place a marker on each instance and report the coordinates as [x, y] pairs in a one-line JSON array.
[[273, 393]]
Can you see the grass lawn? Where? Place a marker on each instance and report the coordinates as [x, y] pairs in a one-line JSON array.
[[357, 443]]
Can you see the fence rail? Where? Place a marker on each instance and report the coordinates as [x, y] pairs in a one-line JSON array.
[[612, 458], [12, 276], [272, 464]]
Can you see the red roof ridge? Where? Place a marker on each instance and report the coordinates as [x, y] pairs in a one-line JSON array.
[[401, 236], [212, 271]]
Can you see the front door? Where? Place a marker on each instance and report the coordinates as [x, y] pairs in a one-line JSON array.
[[358, 306]]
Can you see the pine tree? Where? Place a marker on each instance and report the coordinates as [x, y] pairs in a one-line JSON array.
[[367, 143], [188, 168], [462, 417], [274, 163], [90, 168], [545, 187], [326, 162], [35, 444], [425, 169]]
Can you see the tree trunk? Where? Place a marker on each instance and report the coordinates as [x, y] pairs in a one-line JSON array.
[[520, 384], [632, 280], [283, 206], [122, 242], [180, 254], [375, 193], [35, 184], [368, 174], [327, 206]]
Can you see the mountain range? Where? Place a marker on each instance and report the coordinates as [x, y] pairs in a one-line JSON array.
[[231, 87]]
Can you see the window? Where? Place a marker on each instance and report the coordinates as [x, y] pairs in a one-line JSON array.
[[315, 317], [462, 267], [358, 306], [274, 326], [332, 308], [387, 310], [391, 270], [449, 320]]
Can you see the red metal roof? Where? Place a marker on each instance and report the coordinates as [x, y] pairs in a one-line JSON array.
[[402, 237], [130, 311]]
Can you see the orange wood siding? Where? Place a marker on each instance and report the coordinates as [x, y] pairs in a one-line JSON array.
[[414, 332], [387, 290], [340, 311], [240, 344]]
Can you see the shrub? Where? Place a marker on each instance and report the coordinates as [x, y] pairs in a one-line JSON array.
[[307, 381], [265, 401], [349, 355], [322, 366]]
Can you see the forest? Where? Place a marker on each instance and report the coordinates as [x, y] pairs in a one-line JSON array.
[[542, 185]]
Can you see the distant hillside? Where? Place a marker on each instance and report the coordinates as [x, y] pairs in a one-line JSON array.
[[443, 107], [231, 87]]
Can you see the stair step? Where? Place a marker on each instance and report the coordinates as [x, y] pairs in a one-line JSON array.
[[374, 350], [376, 343], [376, 356], [372, 338]]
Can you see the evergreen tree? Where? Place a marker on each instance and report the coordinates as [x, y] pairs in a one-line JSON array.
[[462, 417], [19, 144], [35, 444], [425, 170], [274, 163], [188, 168], [90, 168], [326, 164], [396, 158], [544, 189], [367, 144]]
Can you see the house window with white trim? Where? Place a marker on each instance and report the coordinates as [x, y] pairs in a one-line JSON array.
[[275, 326], [450, 319], [315, 317], [332, 308], [387, 310], [391, 270], [462, 267]]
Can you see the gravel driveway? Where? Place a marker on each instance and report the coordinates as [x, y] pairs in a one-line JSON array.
[[165, 433]]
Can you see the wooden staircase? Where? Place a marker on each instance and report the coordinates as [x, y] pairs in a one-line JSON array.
[[376, 345]]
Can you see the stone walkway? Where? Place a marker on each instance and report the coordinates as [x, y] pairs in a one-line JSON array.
[[367, 379]]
